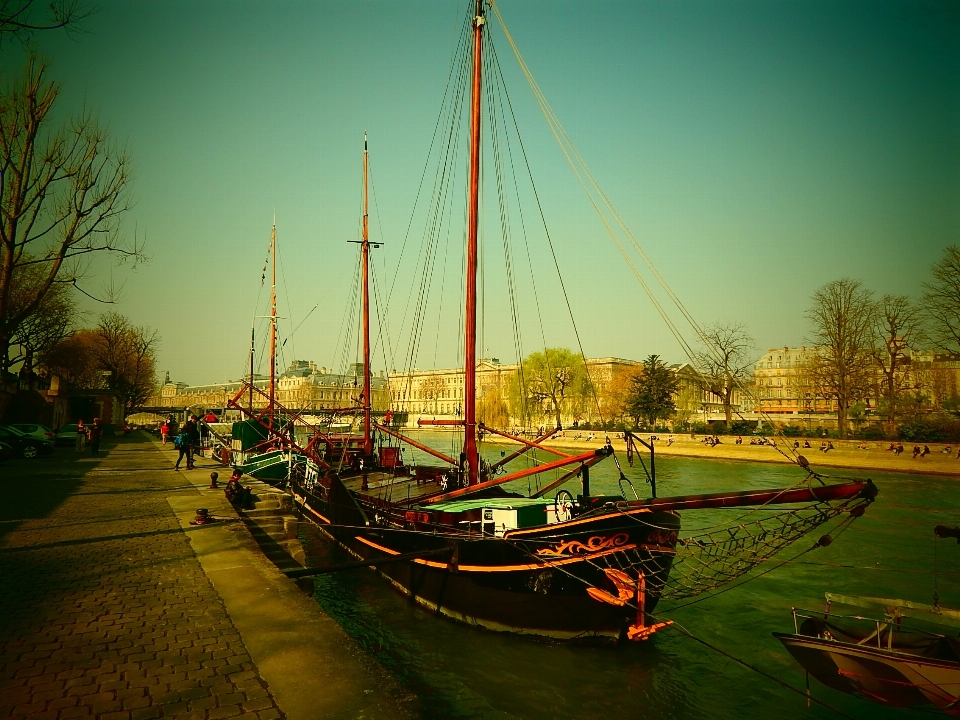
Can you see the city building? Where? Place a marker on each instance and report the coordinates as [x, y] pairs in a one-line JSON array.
[[438, 394], [303, 386], [783, 385]]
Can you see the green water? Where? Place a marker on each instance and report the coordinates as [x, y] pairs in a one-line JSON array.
[[461, 672]]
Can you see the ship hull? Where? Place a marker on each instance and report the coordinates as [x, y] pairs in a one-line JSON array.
[[883, 676], [532, 581]]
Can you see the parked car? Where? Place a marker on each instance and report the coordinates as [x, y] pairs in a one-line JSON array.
[[37, 432], [24, 445], [6, 451], [67, 435]]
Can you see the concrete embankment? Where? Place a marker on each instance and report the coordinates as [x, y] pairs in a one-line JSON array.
[[846, 453], [115, 606]]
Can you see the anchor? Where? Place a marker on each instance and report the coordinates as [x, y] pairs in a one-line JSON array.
[[627, 589]]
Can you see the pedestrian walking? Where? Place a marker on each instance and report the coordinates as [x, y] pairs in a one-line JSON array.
[[190, 427], [96, 433], [164, 432], [81, 436], [182, 443]]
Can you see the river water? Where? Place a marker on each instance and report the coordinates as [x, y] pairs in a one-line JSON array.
[[462, 672]]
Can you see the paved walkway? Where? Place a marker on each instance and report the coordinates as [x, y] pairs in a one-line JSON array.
[[113, 606]]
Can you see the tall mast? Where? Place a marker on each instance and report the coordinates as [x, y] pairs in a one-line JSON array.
[[251, 365], [365, 253], [273, 318], [470, 331]]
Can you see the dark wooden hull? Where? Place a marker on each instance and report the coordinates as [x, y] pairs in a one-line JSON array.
[[532, 581]]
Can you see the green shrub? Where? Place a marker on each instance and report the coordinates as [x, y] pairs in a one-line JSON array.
[[933, 428], [871, 432], [792, 431], [743, 427]]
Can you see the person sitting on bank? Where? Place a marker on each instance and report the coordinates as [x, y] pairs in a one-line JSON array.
[[806, 443]]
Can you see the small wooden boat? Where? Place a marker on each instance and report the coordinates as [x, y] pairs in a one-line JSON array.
[[881, 657]]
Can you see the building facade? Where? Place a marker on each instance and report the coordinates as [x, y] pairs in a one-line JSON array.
[[303, 386], [438, 394], [783, 386]]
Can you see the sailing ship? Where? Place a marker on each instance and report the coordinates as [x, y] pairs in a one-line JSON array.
[[453, 539], [256, 446], [883, 657]]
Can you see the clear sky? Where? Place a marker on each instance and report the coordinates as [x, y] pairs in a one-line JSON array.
[[757, 149]]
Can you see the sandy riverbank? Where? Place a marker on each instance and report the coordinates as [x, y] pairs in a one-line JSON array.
[[844, 455]]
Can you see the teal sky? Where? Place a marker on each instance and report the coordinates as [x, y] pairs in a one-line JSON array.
[[756, 149]]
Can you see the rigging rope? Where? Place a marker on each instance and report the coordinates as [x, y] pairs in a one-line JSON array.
[[597, 198]]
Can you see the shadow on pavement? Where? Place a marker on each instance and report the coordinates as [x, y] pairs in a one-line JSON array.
[[32, 489]]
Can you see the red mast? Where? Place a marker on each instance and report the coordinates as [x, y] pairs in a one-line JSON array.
[[470, 332], [365, 254]]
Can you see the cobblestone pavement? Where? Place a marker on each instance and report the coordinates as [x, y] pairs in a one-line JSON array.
[[104, 609]]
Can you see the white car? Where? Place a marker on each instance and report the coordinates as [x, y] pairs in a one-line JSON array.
[[37, 432]]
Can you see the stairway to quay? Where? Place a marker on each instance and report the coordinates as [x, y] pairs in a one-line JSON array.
[[114, 606]]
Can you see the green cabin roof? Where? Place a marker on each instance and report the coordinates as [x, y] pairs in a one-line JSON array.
[[508, 503]]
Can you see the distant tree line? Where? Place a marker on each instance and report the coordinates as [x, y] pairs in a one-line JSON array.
[[864, 345]]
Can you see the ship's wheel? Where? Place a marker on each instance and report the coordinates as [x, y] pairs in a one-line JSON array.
[[563, 502]]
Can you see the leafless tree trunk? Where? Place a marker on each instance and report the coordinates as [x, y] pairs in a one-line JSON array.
[[843, 315], [726, 362], [897, 328], [941, 301], [62, 194]]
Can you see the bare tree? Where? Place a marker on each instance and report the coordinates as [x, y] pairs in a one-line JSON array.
[[842, 314], [21, 18], [431, 389], [897, 329], [42, 330], [62, 194], [73, 360], [726, 362], [941, 300], [127, 355]]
